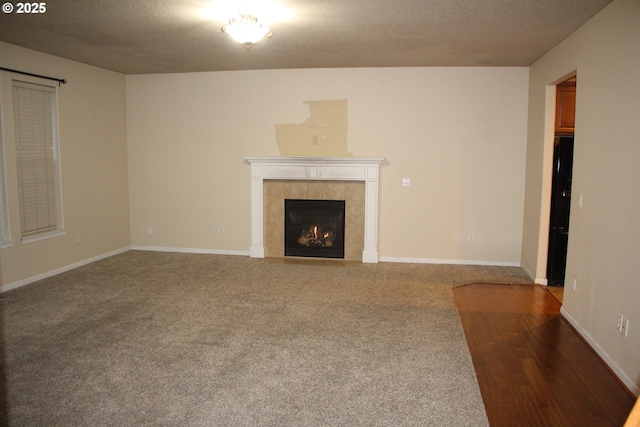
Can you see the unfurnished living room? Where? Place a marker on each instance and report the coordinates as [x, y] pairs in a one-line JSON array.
[[332, 213]]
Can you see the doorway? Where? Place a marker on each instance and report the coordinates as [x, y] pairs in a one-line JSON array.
[[561, 182]]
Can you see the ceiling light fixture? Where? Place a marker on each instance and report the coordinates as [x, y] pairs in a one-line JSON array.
[[246, 30]]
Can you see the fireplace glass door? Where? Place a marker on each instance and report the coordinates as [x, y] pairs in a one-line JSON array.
[[314, 228]]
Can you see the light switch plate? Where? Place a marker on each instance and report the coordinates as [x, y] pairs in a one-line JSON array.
[[406, 182]]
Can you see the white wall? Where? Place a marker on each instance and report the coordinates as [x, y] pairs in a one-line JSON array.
[[93, 155], [458, 133], [604, 235]]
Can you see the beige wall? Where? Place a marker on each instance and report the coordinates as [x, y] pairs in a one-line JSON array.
[[458, 133], [604, 235], [93, 153]]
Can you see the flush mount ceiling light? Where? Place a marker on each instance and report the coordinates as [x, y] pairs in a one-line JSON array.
[[246, 30]]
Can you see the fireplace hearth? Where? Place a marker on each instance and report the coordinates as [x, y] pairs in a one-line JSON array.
[[314, 228]]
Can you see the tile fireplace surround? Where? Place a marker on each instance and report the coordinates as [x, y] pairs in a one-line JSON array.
[[310, 169]]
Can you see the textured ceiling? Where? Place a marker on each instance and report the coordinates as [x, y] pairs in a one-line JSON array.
[[162, 36]]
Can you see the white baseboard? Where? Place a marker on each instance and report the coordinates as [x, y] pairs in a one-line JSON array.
[[381, 259], [628, 382], [449, 261], [536, 280], [28, 280], [528, 273], [189, 250]]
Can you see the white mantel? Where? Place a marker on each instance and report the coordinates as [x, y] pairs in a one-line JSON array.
[[365, 169]]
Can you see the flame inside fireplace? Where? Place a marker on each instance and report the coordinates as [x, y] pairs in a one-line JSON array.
[[317, 237]]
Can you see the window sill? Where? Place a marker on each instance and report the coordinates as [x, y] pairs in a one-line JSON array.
[[42, 236], [6, 244]]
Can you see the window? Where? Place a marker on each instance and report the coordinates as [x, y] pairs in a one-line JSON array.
[[38, 162], [5, 240]]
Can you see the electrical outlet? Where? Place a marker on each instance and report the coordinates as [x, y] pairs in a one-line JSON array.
[[620, 322], [221, 229], [406, 182], [150, 230], [472, 238], [624, 329], [574, 283], [78, 239]]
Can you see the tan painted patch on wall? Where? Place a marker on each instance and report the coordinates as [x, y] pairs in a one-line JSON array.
[[323, 134]]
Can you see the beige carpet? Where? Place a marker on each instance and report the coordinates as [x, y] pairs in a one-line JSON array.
[[170, 339]]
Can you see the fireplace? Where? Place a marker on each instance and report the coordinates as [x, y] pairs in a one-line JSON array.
[[314, 228], [364, 170]]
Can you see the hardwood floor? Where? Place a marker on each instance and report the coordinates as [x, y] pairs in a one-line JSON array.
[[532, 366], [557, 292]]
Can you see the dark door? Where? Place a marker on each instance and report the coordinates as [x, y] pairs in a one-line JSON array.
[[560, 209]]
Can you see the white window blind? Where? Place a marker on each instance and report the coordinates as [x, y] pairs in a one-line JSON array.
[[4, 229], [36, 145]]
